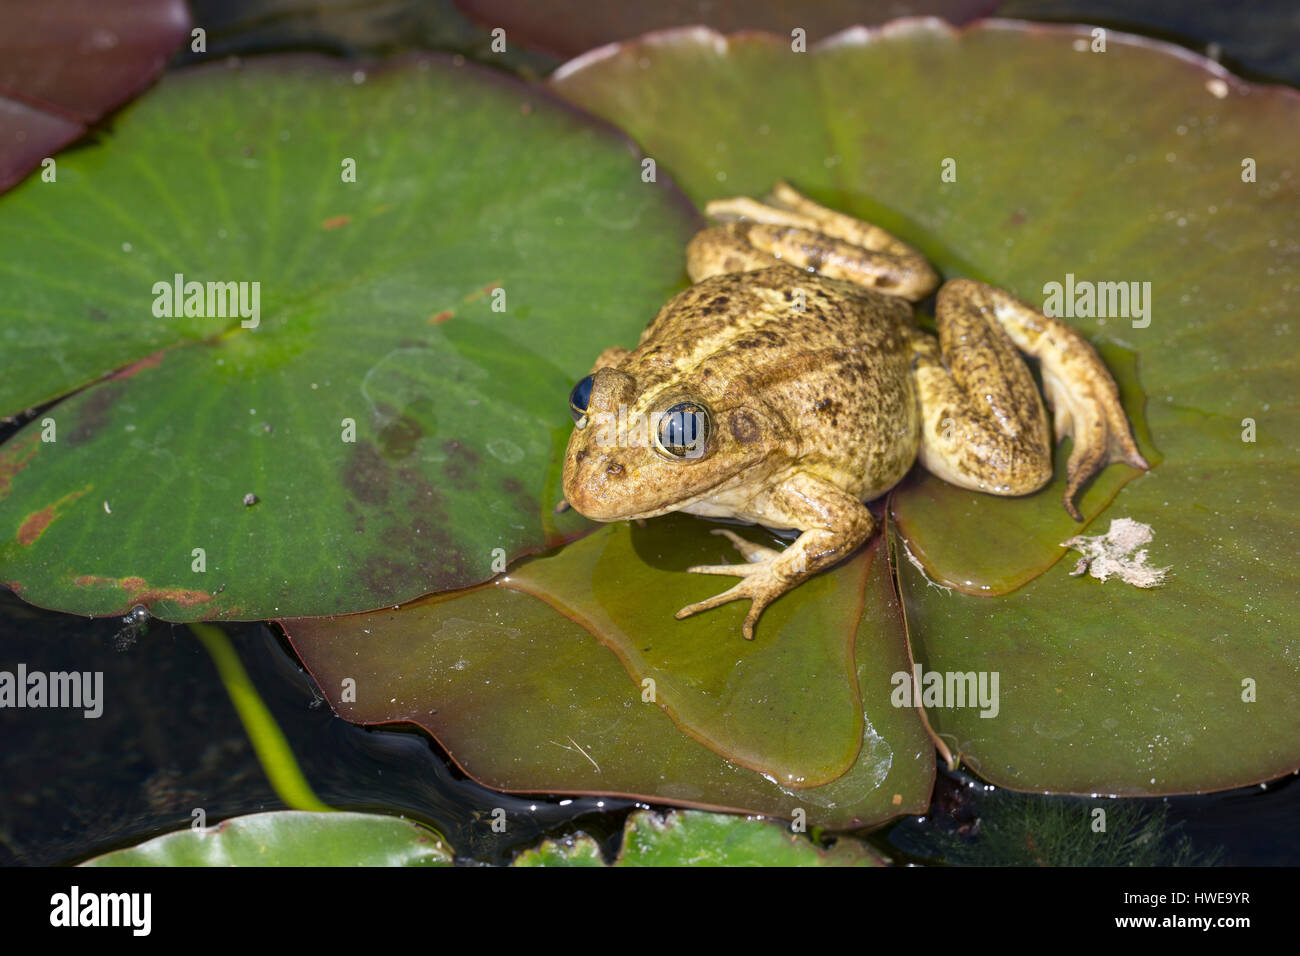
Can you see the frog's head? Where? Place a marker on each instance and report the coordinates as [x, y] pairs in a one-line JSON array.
[[636, 454]]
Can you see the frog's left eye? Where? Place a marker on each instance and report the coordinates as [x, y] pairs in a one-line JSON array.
[[579, 399], [683, 430]]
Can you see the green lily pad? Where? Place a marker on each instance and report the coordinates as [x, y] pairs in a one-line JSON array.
[[391, 421], [1126, 165], [525, 700], [703, 839], [291, 838]]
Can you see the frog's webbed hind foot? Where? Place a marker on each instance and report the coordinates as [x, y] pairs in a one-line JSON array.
[[836, 522], [789, 227], [763, 581], [983, 425]]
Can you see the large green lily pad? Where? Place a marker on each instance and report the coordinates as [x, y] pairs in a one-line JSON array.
[[524, 699], [439, 307], [1123, 165]]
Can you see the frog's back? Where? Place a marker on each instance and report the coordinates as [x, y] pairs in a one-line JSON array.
[[831, 358]]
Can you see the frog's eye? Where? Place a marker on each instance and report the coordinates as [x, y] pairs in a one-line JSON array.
[[579, 399], [683, 430]]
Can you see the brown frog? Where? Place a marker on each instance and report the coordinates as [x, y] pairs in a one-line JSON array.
[[791, 383]]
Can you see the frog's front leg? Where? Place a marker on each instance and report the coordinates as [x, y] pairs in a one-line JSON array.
[[983, 424], [834, 525]]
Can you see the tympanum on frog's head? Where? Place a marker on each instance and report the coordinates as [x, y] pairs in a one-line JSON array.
[[639, 455]]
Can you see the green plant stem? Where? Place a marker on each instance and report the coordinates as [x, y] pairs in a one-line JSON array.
[[268, 740]]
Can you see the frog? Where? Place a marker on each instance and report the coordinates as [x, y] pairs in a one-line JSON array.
[[790, 384]]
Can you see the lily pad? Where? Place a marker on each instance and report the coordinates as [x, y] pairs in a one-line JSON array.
[[1262, 43], [65, 63], [525, 700], [291, 838], [703, 839], [1143, 163], [569, 27], [786, 705], [388, 419]]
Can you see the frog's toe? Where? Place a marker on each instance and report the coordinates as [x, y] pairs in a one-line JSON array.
[[736, 570], [748, 550], [1094, 418], [758, 589], [758, 556]]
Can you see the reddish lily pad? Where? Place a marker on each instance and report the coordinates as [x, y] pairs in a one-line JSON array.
[[1143, 163], [65, 63], [524, 699]]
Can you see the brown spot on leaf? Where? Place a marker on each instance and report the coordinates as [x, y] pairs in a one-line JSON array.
[[34, 524], [149, 361], [442, 316], [366, 476], [461, 464], [334, 222], [93, 414], [399, 437], [14, 457], [139, 591], [524, 501]]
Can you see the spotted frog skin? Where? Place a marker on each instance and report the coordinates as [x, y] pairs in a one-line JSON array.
[[790, 384]]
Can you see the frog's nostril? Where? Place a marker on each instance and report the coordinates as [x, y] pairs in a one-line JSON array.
[[614, 470]]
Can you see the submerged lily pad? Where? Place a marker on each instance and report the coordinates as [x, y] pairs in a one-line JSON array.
[[383, 413], [703, 839], [524, 699], [291, 838], [1140, 164]]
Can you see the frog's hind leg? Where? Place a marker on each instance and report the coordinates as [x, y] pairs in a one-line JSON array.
[[983, 424], [791, 228]]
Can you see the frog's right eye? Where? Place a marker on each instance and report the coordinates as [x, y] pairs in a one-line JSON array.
[[683, 430], [579, 399]]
